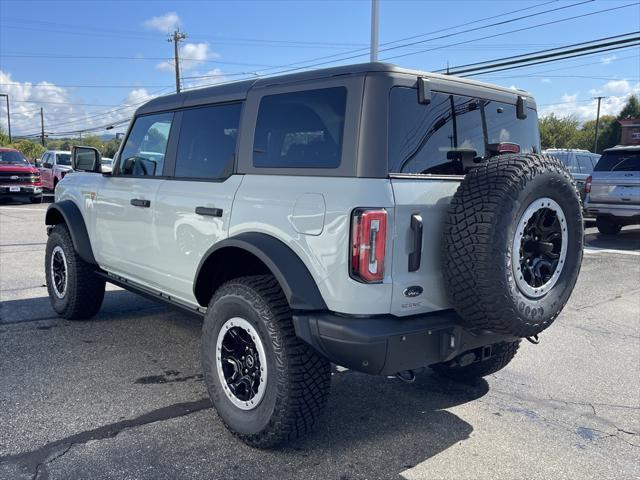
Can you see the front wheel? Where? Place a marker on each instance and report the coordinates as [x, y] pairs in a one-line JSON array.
[[75, 291], [266, 384], [457, 369], [608, 226]]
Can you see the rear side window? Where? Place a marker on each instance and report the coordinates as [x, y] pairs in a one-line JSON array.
[[300, 129], [425, 138], [585, 163], [619, 161], [207, 144], [143, 153]]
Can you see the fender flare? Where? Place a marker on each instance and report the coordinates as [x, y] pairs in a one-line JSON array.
[[297, 284], [68, 212]]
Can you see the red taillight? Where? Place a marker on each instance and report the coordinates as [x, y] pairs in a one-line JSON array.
[[506, 147], [587, 184], [368, 243]]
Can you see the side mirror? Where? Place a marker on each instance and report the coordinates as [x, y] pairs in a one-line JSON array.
[[38, 163], [85, 159]]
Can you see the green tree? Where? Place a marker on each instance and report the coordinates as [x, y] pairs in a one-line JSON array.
[[4, 138], [111, 147], [611, 132], [29, 149], [558, 132]]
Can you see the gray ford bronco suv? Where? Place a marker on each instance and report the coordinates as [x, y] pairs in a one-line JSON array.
[[378, 218]]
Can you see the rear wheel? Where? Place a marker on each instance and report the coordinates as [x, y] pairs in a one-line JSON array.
[[75, 291], [267, 385], [470, 366], [608, 226]]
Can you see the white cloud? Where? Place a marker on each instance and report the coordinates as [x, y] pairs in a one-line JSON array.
[[546, 80], [61, 112], [163, 23], [608, 60], [192, 55], [208, 78], [586, 108]]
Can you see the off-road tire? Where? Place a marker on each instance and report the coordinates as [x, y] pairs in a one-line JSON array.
[[85, 290], [298, 379], [479, 231], [502, 354], [607, 226]]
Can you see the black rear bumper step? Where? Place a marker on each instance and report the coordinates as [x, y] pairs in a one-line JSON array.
[[385, 345]]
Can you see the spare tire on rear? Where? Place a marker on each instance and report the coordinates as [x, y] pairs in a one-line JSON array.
[[513, 244]]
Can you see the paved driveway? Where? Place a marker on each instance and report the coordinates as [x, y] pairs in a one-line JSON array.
[[123, 397]]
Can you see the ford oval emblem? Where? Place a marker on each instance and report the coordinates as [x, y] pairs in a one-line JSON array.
[[14, 177], [413, 291]]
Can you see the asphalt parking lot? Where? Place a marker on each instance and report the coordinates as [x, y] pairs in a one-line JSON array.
[[123, 396]]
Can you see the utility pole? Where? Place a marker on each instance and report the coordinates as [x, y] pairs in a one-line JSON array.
[[175, 37], [42, 126], [375, 11], [595, 140], [5, 95]]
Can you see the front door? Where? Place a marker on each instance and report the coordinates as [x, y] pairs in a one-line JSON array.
[[193, 207], [125, 200]]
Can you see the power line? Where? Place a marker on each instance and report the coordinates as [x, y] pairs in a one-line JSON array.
[[528, 58], [563, 47], [549, 60], [522, 29]]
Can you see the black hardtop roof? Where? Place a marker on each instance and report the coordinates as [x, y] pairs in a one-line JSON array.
[[234, 91]]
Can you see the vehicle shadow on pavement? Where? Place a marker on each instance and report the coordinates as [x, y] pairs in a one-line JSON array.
[[628, 239], [382, 426], [117, 303]]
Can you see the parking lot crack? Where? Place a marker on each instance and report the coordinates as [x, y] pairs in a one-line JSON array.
[[35, 460]]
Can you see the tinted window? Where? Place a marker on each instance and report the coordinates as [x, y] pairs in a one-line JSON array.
[[63, 159], [144, 152], [12, 157], [421, 137], [619, 161], [300, 129], [207, 142], [585, 164]]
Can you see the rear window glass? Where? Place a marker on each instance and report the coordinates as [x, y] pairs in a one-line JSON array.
[[421, 137], [63, 158], [585, 163], [300, 129], [618, 162], [207, 144]]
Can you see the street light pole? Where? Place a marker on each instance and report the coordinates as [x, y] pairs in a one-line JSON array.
[[5, 95], [375, 11]]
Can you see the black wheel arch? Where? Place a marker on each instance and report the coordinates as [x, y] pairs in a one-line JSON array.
[[254, 253], [68, 213]]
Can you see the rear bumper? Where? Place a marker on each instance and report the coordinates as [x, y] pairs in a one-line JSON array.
[[629, 212], [385, 345]]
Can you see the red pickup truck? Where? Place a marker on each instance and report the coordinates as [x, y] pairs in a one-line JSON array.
[[19, 180]]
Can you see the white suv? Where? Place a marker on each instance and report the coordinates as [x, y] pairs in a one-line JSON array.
[[379, 218]]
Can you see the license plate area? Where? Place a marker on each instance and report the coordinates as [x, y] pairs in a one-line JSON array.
[[14, 189]]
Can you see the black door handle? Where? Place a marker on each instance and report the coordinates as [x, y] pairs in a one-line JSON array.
[[416, 254], [211, 212], [138, 202]]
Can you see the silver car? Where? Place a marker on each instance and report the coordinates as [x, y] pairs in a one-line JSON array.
[[579, 162], [613, 190]]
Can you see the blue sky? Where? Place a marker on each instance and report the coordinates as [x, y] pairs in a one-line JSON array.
[[49, 49]]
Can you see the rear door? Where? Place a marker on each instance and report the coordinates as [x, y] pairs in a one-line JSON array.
[[427, 142], [616, 178], [193, 207]]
